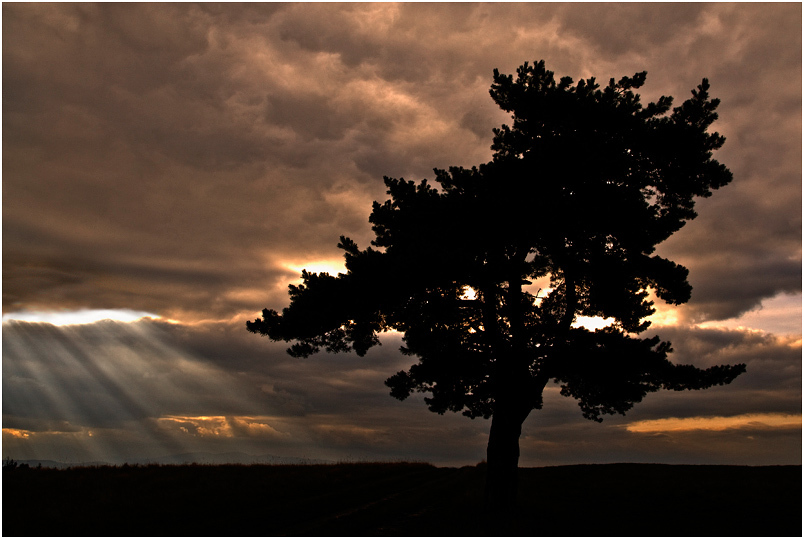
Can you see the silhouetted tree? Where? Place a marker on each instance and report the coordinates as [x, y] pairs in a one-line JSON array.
[[582, 187]]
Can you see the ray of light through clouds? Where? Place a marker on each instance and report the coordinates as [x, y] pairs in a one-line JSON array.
[[80, 316], [168, 169]]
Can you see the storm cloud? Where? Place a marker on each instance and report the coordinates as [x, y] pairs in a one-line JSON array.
[[159, 151]]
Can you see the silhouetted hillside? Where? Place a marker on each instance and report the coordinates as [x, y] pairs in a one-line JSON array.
[[400, 499], [202, 457]]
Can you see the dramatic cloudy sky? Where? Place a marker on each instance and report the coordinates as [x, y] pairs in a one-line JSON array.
[[187, 161]]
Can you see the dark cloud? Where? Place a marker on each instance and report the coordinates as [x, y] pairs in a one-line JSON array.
[[616, 29], [746, 243]]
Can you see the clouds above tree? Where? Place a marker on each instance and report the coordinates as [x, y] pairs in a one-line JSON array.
[[186, 160], [152, 149]]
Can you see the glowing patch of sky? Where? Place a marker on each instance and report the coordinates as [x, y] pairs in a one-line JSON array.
[[780, 314], [665, 315], [469, 293], [589, 322], [81, 316], [222, 426], [332, 266], [17, 433], [200, 426], [672, 424], [592, 322]]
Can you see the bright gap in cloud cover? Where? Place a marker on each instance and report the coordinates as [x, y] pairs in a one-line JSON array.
[[780, 314], [331, 266], [81, 316]]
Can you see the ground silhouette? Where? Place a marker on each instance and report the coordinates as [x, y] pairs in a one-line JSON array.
[[400, 500], [582, 187]]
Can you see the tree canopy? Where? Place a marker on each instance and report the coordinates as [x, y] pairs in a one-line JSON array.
[[582, 187]]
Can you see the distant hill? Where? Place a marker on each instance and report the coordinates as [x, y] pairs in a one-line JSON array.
[[54, 463], [232, 457]]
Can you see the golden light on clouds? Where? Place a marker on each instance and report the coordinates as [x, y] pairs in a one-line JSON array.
[[204, 426], [220, 426], [780, 314], [665, 315], [17, 433], [255, 427], [333, 266], [26, 436], [717, 423]]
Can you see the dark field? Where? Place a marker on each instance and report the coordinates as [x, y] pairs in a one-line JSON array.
[[401, 499]]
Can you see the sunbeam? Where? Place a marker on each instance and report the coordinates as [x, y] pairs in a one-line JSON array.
[[104, 389], [81, 316]]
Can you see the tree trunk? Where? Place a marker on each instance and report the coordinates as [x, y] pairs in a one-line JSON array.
[[502, 457]]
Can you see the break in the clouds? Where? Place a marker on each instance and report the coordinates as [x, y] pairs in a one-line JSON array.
[[187, 160]]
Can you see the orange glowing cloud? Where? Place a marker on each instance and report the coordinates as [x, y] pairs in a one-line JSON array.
[[254, 427], [220, 426], [203, 426], [717, 423], [17, 433]]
